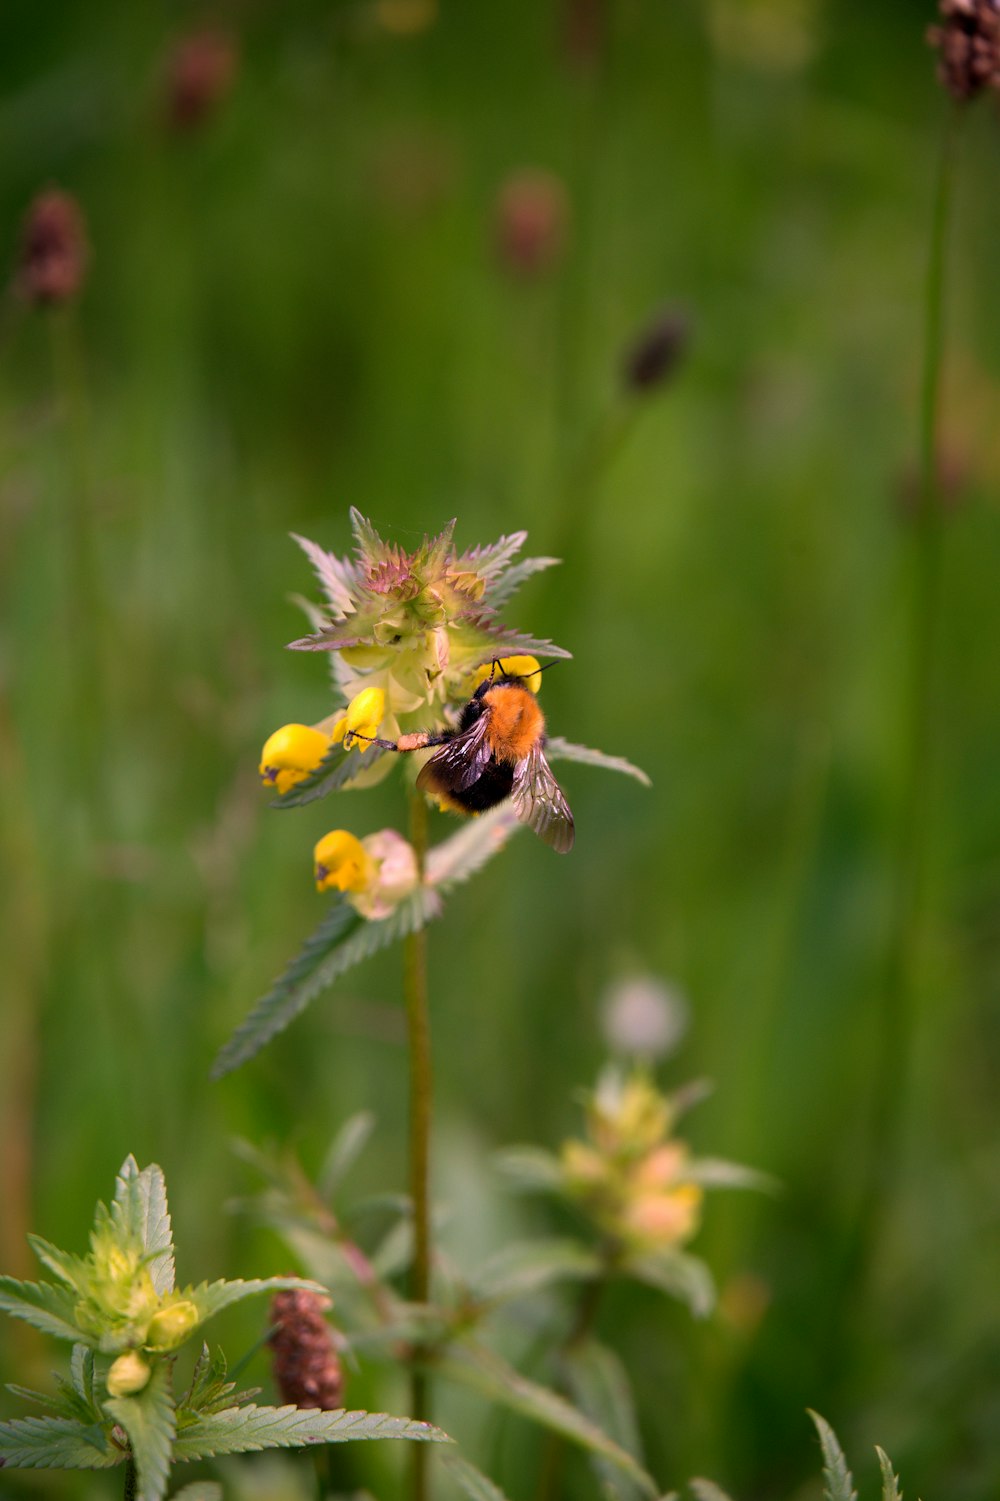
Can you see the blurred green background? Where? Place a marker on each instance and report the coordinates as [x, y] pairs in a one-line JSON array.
[[327, 292]]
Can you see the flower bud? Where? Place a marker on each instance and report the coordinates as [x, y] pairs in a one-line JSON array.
[[517, 667], [290, 754], [660, 1219], [171, 1326], [396, 874], [128, 1374], [53, 249], [306, 1368], [342, 863]]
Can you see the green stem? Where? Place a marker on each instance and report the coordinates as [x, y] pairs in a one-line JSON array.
[[419, 1038], [550, 1475], [898, 1015], [131, 1481]]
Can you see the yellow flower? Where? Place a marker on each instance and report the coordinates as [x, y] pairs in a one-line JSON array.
[[342, 863], [363, 716], [290, 754], [518, 667], [128, 1374], [172, 1325]]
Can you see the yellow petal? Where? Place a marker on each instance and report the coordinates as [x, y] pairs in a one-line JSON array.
[[290, 754], [517, 667], [128, 1374], [365, 713], [342, 863]]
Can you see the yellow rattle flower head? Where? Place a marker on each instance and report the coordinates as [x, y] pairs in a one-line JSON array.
[[342, 863], [518, 667], [290, 754], [365, 713]]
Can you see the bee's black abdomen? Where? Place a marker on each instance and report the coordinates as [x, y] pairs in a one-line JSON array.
[[492, 787]]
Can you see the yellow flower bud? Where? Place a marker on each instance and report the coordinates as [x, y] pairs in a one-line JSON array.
[[171, 1326], [518, 667], [364, 715], [128, 1374], [342, 863], [290, 754], [583, 1166]]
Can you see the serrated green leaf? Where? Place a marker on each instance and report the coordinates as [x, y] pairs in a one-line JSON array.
[[558, 749], [713, 1172], [150, 1420], [530, 1168], [56, 1444], [211, 1297], [472, 1482], [199, 1490], [600, 1388], [707, 1490], [479, 1368], [51, 1309], [890, 1481], [344, 1151], [242, 1430], [839, 1480], [81, 1370], [492, 558], [140, 1211], [67, 1267], [458, 857], [673, 1272], [50, 1401], [526, 1266], [507, 584], [322, 960], [489, 642], [336, 576]]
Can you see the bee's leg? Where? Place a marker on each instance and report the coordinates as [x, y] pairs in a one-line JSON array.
[[420, 740]]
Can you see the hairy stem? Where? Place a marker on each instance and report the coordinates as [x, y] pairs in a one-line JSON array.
[[898, 1014], [419, 1040], [131, 1481]]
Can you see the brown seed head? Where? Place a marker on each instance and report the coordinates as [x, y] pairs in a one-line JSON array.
[[53, 249], [968, 46], [199, 75], [307, 1370], [657, 351], [585, 32], [530, 222]]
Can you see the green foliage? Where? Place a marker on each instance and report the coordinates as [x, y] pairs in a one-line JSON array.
[[131, 1267], [838, 1478], [600, 1387], [472, 1482]]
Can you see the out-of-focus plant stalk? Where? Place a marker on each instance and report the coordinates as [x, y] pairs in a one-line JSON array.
[[419, 1040], [550, 1477], [898, 1014]]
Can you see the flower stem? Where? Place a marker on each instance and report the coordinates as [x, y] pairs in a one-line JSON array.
[[131, 1480], [419, 1039], [898, 1016], [550, 1486]]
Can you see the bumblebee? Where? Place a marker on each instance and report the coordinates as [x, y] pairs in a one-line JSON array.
[[495, 752]]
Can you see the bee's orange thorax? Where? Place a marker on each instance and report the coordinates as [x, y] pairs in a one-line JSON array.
[[516, 721]]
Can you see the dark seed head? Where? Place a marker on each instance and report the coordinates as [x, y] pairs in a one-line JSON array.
[[307, 1370], [199, 75], [53, 249], [968, 46], [531, 219], [657, 352]]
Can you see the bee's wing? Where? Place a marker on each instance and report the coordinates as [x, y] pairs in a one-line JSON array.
[[538, 801], [460, 761]]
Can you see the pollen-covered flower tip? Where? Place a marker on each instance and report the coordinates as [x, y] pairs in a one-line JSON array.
[[365, 713], [128, 1374], [290, 754], [342, 863], [171, 1326]]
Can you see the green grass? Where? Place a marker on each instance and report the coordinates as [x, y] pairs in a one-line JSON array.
[[300, 309]]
